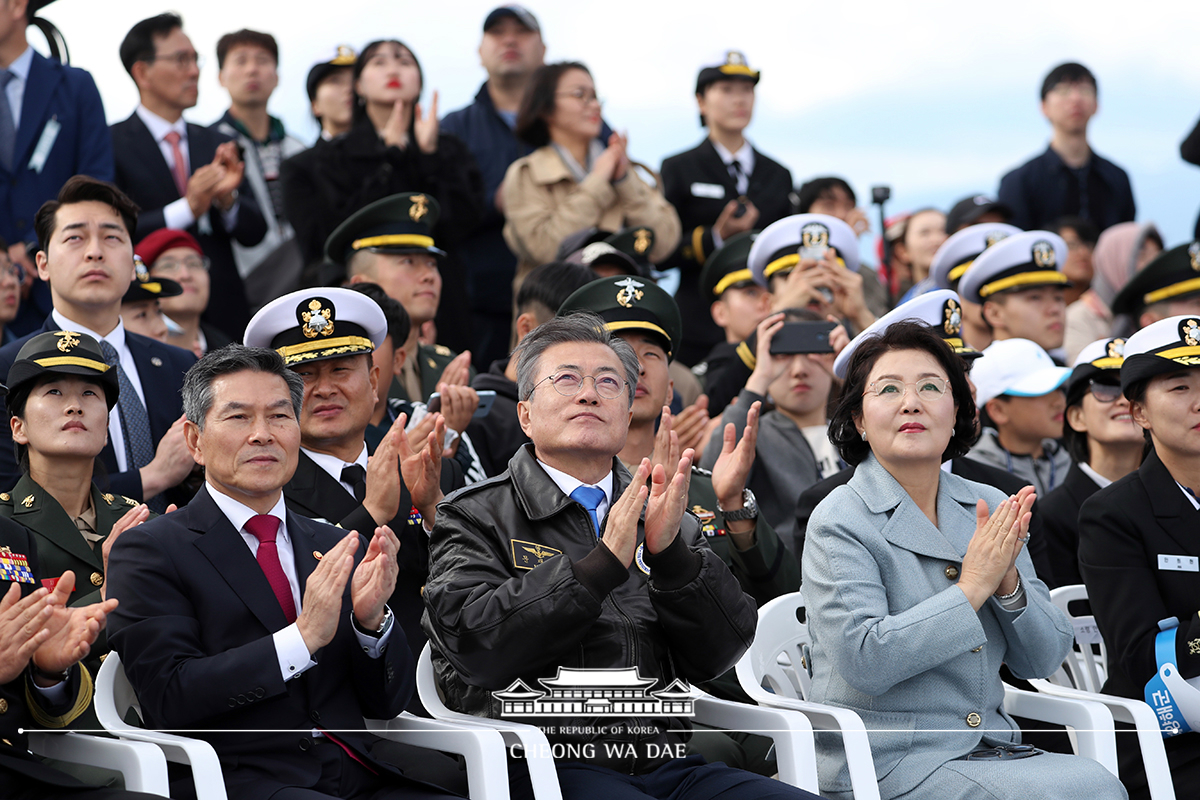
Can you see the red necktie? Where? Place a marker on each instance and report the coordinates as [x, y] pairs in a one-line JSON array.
[[179, 170], [264, 528]]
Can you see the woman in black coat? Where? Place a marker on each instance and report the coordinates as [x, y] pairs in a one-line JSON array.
[[394, 146], [1138, 548]]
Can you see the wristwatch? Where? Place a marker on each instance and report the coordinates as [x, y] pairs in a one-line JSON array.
[[749, 509]]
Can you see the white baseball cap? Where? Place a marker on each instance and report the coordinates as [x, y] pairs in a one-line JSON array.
[[1016, 367]]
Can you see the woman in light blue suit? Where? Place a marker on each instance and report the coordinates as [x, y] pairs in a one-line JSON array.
[[917, 593]]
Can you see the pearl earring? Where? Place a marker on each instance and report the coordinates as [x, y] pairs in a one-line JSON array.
[[864, 435]]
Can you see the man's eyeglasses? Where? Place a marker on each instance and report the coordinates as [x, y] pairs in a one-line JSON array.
[[892, 389], [569, 384], [1104, 392], [182, 59], [169, 267]]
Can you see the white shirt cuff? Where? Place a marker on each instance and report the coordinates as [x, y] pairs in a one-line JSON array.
[[54, 695], [374, 646], [292, 652], [178, 215], [717, 240]]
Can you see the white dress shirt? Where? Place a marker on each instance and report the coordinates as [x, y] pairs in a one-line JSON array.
[[569, 483], [16, 86], [177, 214], [290, 648], [334, 465], [115, 337], [745, 158]]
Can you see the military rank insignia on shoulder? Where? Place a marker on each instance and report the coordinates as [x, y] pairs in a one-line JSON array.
[[14, 567], [527, 555]]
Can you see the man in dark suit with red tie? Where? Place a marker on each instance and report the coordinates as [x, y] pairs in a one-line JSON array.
[[239, 615], [198, 184]]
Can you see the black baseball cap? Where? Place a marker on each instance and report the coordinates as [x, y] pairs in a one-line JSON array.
[[968, 211], [519, 13]]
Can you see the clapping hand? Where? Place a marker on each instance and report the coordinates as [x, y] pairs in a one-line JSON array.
[[375, 579], [989, 567]]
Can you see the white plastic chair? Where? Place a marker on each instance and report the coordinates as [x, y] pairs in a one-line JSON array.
[[795, 751], [778, 659], [483, 750], [142, 765], [1087, 670]]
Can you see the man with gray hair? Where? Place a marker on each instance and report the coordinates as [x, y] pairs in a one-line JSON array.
[[227, 602], [554, 574]]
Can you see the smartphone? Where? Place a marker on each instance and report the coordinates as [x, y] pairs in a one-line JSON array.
[[486, 398], [739, 210], [802, 337], [814, 251], [434, 404]]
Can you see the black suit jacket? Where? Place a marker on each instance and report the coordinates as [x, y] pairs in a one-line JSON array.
[[963, 467], [15, 758], [314, 493], [161, 368], [194, 630], [769, 189], [143, 174], [1060, 523]]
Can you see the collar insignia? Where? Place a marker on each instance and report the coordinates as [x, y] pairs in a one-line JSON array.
[[630, 293], [28, 501]]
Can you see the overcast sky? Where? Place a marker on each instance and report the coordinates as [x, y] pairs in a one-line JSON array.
[[936, 99]]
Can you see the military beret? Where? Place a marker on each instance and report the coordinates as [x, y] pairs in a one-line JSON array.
[[401, 223], [1020, 261], [162, 240], [1173, 274], [63, 353], [626, 303], [319, 323]]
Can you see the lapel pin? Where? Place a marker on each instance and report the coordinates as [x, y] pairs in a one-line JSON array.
[[318, 555], [156, 361]]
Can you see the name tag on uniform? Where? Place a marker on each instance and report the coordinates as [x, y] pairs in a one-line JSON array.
[[713, 190], [1086, 630], [42, 151], [1179, 563]]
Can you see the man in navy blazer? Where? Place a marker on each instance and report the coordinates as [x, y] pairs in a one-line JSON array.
[[198, 183], [239, 615], [58, 131], [87, 257]]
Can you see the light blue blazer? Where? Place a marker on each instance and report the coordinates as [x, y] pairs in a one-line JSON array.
[[896, 640]]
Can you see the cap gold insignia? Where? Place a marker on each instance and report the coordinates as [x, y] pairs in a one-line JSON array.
[[67, 340], [992, 238], [419, 207], [1194, 255], [317, 321], [1189, 332], [952, 323], [28, 501], [735, 58], [1043, 255], [641, 241], [814, 234], [345, 52], [1116, 348], [139, 269], [630, 292]]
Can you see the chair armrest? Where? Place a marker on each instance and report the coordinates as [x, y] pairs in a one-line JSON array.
[[199, 754], [142, 764], [1092, 721], [859, 761], [1143, 718], [482, 748], [792, 733]]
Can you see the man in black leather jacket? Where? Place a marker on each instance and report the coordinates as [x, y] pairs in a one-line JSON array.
[[533, 581]]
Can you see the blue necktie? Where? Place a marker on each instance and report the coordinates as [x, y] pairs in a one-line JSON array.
[[590, 498], [135, 422], [8, 129]]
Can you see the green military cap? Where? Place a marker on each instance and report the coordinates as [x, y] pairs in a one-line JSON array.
[[627, 303], [636, 243], [63, 353], [401, 223], [143, 287], [1172, 275], [728, 266]]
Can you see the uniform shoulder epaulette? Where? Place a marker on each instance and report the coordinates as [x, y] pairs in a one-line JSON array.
[[442, 350]]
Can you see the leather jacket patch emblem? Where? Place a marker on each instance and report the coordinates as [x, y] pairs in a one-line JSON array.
[[527, 555]]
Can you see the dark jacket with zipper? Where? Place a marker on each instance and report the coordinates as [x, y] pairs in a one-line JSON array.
[[520, 586]]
